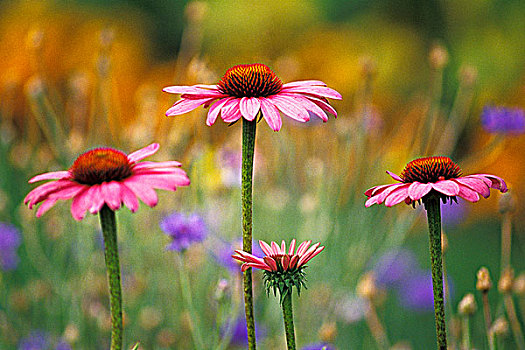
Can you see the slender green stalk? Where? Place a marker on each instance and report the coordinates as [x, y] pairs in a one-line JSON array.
[[109, 231], [188, 301], [432, 207], [514, 322], [248, 147], [288, 321], [486, 315], [466, 333]]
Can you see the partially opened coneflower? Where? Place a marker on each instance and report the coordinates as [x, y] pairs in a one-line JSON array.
[[101, 181], [283, 270], [431, 180], [252, 92]]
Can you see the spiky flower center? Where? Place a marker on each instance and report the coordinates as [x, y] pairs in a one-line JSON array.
[[250, 80], [101, 165], [430, 169]]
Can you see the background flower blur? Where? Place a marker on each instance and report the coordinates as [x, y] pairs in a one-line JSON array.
[[418, 78]]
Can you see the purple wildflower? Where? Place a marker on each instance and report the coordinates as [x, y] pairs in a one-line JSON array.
[[416, 292], [9, 242], [453, 213], [394, 267], [37, 340], [185, 230], [503, 120], [239, 336], [63, 345], [318, 346]]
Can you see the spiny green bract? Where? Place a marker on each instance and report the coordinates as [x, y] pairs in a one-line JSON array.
[[284, 281]]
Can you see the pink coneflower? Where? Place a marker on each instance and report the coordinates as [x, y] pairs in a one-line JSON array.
[[278, 259], [247, 89], [438, 174], [105, 176]]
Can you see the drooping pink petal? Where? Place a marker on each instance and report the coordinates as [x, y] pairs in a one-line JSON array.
[[310, 106], [110, 191], [317, 91], [202, 95], [497, 182], [447, 187], [468, 193], [246, 266], [417, 190], [195, 89], [96, 199], [55, 175], [156, 165], [81, 203], [45, 206], [290, 107], [41, 192], [376, 190], [128, 198], [215, 109], [143, 153], [249, 107], [247, 257], [303, 83], [185, 105], [397, 196], [230, 112], [387, 191], [306, 256], [325, 106], [143, 192], [271, 114], [310, 256], [168, 182], [394, 176], [476, 184]]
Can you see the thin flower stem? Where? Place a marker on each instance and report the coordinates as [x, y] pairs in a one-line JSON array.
[[248, 147], [506, 238], [486, 314], [288, 321], [513, 320], [188, 301], [376, 328], [466, 333], [109, 231], [432, 207]]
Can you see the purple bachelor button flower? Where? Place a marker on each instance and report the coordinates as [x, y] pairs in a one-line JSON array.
[[9, 242], [185, 230], [318, 346], [503, 120], [416, 292], [394, 267]]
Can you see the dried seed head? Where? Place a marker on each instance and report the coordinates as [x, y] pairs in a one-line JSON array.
[[519, 285], [500, 327], [483, 283], [467, 306], [505, 282]]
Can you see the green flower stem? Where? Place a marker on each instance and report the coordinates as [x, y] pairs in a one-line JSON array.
[[288, 321], [109, 231], [188, 301], [432, 207], [466, 332], [248, 147]]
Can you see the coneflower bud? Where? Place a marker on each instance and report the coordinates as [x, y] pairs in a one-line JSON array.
[[507, 203], [519, 285], [500, 327], [505, 282], [483, 283], [467, 306]]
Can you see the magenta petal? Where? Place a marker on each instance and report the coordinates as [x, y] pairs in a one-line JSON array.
[[476, 184], [319, 91], [397, 196], [292, 247], [386, 192], [265, 248], [447, 187], [55, 175], [45, 206], [249, 107], [96, 198], [185, 105], [271, 114], [275, 248], [417, 190], [304, 83], [302, 247], [214, 111], [497, 182], [110, 191], [80, 204], [394, 176], [142, 191], [325, 106], [143, 153], [310, 106], [156, 165], [290, 107], [230, 112], [128, 198], [271, 263], [188, 89], [468, 193]]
